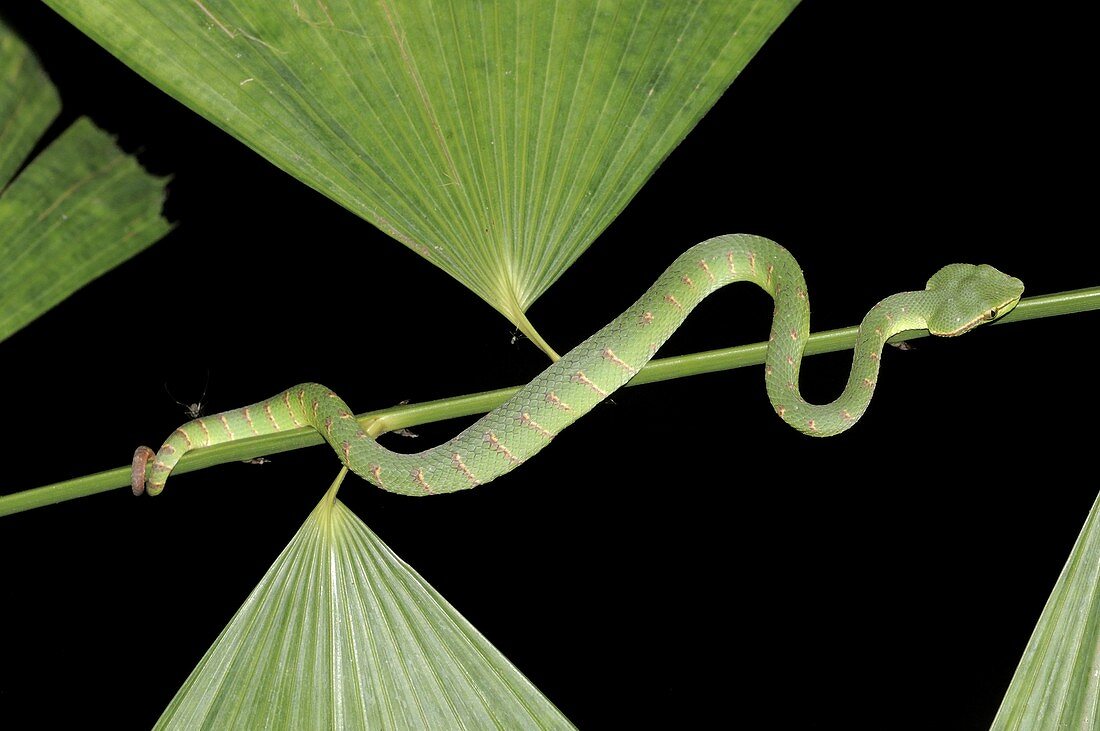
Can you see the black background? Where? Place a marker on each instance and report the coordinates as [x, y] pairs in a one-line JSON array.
[[680, 557]]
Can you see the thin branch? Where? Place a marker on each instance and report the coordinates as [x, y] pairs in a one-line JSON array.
[[378, 422]]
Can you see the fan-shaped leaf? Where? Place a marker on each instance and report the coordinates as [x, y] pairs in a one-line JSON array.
[[497, 139], [341, 633], [1056, 685]]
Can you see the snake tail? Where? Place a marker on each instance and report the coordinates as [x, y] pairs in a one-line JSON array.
[[956, 299]]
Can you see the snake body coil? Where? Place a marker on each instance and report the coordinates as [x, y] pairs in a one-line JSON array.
[[957, 298]]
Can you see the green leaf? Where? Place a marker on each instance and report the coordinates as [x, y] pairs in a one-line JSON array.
[[79, 209], [1056, 684], [496, 139], [341, 633], [28, 103]]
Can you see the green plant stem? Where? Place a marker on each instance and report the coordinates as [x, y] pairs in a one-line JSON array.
[[378, 422]]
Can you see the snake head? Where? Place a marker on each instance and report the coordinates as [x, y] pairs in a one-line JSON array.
[[969, 295]]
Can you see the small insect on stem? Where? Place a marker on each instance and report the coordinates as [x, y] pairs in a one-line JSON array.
[[194, 410], [405, 431], [257, 460]]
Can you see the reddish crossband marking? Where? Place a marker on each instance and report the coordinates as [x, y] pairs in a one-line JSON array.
[[183, 434], [646, 318], [767, 370], [456, 460], [752, 262], [794, 334], [205, 431], [780, 410], [328, 425], [790, 360], [302, 399], [581, 378], [687, 280], [553, 398], [316, 405], [418, 475], [874, 356], [868, 383], [845, 415], [248, 418], [608, 354], [526, 420], [168, 448], [271, 417], [673, 301], [496, 446], [878, 331], [811, 425], [225, 423], [376, 473], [771, 268], [347, 452], [160, 465], [345, 414], [286, 400], [729, 262], [705, 268], [800, 293]]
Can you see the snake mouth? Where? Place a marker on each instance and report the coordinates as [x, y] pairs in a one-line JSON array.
[[965, 328]]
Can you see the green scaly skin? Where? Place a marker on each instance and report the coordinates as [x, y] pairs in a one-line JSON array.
[[957, 298]]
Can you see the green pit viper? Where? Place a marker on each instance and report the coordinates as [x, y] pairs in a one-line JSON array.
[[956, 299]]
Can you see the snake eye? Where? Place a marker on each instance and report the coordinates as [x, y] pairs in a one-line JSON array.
[[992, 315]]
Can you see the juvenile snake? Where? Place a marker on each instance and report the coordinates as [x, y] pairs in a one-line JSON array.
[[956, 299]]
